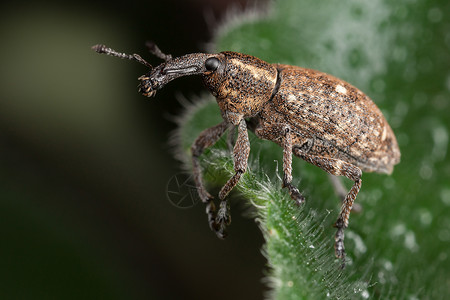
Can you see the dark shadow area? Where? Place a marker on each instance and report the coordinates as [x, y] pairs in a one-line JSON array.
[[85, 160]]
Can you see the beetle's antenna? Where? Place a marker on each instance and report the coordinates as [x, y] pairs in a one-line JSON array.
[[108, 51], [157, 52]]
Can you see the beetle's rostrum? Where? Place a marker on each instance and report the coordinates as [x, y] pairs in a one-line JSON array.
[[310, 114]]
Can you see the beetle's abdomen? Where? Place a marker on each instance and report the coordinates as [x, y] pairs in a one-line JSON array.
[[341, 121]]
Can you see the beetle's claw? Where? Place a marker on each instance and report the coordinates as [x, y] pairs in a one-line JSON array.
[[295, 194], [297, 197], [221, 232], [339, 248], [223, 219], [224, 213], [205, 196]]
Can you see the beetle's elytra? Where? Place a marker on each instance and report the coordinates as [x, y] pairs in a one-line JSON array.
[[315, 116]]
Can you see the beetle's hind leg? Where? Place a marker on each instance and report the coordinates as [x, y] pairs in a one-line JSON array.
[[339, 168], [341, 192], [206, 139]]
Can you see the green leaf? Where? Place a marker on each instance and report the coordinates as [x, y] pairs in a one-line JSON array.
[[396, 53]]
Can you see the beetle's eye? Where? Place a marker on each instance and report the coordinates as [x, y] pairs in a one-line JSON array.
[[212, 63]]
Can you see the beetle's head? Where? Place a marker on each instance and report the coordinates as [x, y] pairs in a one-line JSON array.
[[172, 68], [241, 83]]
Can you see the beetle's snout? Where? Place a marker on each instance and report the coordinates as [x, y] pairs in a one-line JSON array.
[[158, 77]]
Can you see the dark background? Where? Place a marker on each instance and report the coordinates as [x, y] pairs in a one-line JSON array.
[[85, 160]]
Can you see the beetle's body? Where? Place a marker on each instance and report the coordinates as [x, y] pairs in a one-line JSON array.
[[328, 116], [315, 116]]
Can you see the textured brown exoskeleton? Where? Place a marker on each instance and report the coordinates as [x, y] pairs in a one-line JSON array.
[[315, 116]]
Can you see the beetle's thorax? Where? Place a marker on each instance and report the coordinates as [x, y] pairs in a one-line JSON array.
[[241, 85]]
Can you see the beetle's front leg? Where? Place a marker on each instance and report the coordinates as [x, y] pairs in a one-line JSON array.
[[240, 153], [206, 139]]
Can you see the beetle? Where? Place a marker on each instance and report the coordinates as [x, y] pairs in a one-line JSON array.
[[310, 114]]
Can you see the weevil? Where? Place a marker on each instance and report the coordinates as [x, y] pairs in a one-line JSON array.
[[310, 114]]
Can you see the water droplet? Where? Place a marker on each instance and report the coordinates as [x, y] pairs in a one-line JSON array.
[[290, 283], [425, 171], [401, 108], [403, 139], [398, 230], [409, 236], [440, 139], [311, 247], [373, 197], [389, 183], [440, 101], [447, 82], [444, 235], [400, 111], [410, 241], [379, 85], [425, 217], [365, 294], [420, 99], [447, 39], [381, 277], [388, 265], [274, 233], [401, 12], [445, 196], [360, 247], [425, 64], [399, 54], [435, 15], [410, 73]]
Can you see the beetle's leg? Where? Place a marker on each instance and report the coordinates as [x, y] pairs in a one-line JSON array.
[[154, 49], [206, 139], [231, 137], [287, 168], [223, 219], [339, 168], [270, 132], [341, 192], [240, 153]]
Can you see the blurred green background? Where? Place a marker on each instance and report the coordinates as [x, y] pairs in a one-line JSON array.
[[85, 160], [398, 52]]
